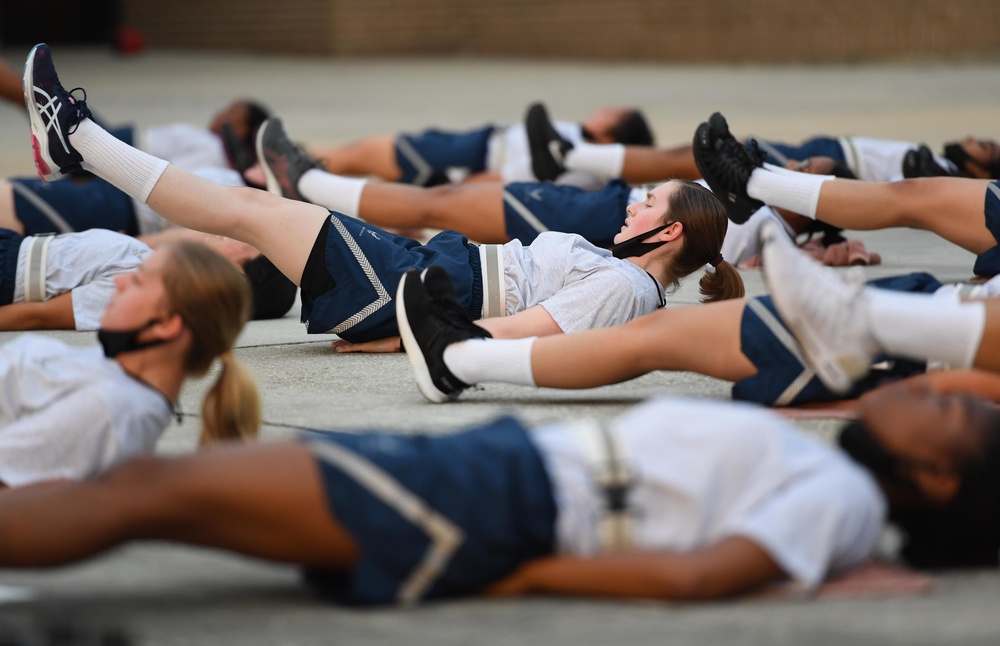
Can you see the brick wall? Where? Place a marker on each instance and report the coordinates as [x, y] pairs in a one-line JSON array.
[[655, 30]]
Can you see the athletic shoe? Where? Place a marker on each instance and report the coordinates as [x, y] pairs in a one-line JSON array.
[[920, 162], [726, 164], [430, 319], [54, 115], [827, 315], [283, 162], [547, 146]]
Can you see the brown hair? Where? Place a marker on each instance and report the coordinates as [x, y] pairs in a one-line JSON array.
[[213, 299], [705, 223]]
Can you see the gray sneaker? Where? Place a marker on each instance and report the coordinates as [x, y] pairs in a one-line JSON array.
[[827, 314], [283, 162]]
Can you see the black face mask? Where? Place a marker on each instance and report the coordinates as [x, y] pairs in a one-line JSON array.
[[864, 449], [636, 247], [117, 342]]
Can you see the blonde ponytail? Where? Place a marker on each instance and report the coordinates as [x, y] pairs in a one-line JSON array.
[[231, 408]]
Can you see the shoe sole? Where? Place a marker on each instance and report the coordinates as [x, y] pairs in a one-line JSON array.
[[39, 139], [270, 179], [837, 372], [413, 352]]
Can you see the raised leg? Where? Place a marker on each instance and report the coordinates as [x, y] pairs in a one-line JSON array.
[[473, 209], [948, 206], [370, 156], [644, 164], [703, 339], [263, 500], [8, 216]]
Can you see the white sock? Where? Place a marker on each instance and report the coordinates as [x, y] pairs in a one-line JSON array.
[[919, 327], [129, 169], [797, 192], [335, 192], [504, 360], [604, 160]]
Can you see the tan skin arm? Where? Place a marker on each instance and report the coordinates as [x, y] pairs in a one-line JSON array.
[[731, 566], [53, 314]]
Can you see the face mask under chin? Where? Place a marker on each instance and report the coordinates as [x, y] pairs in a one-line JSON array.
[[636, 247], [116, 342]]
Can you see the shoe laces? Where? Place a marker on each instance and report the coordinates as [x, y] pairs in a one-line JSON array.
[[736, 159], [79, 109]]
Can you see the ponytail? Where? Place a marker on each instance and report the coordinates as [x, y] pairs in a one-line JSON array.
[[705, 224], [231, 408], [213, 298], [721, 283]]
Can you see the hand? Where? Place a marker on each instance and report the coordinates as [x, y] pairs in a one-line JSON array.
[[388, 344]]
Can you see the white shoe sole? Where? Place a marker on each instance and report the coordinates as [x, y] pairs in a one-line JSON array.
[[47, 169], [270, 181], [416, 357]]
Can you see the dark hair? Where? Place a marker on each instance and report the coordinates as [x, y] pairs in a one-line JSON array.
[[632, 130], [966, 531], [705, 224], [273, 294], [955, 153], [256, 115]]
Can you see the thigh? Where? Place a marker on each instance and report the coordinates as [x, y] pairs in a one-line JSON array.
[[264, 500]]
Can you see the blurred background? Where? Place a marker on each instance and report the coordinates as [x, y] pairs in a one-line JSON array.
[[714, 31]]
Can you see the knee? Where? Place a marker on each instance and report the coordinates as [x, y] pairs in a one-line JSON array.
[[434, 204], [909, 196]]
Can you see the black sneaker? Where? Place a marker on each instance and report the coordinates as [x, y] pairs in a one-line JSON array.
[[54, 115], [283, 162], [241, 153], [726, 165], [430, 319], [920, 162], [547, 146]]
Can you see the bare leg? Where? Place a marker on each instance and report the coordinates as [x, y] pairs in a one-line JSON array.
[[703, 339], [988, 355], [370, 156], [283, 230], [10, 85], [473, 209], [950, 207], [8, 217], [263, 500], [644, 164]]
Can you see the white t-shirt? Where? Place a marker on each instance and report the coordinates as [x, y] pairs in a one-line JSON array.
[[509, 154], [705, 471], [878, 160], [84, 264], [581, 286], [70, 413], [190, 147], [743, 240]]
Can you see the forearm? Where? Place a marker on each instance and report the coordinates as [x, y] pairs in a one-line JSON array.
[[731, 566], [54, 314]]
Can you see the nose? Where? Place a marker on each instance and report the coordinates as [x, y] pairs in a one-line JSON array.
[[628, 209]]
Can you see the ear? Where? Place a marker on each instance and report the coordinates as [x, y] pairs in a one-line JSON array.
[[937, 485], [170, 327], [672, 232]]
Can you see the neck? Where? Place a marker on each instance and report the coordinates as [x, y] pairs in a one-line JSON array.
[[155, 368], [656, 266]]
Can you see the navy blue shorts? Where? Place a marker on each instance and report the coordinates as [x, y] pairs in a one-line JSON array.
[[533, 208], [426, 157], [988, 262], [784, 378], [10, 247], [779, 154], [72, 205], [433, 516], [366, 263]]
